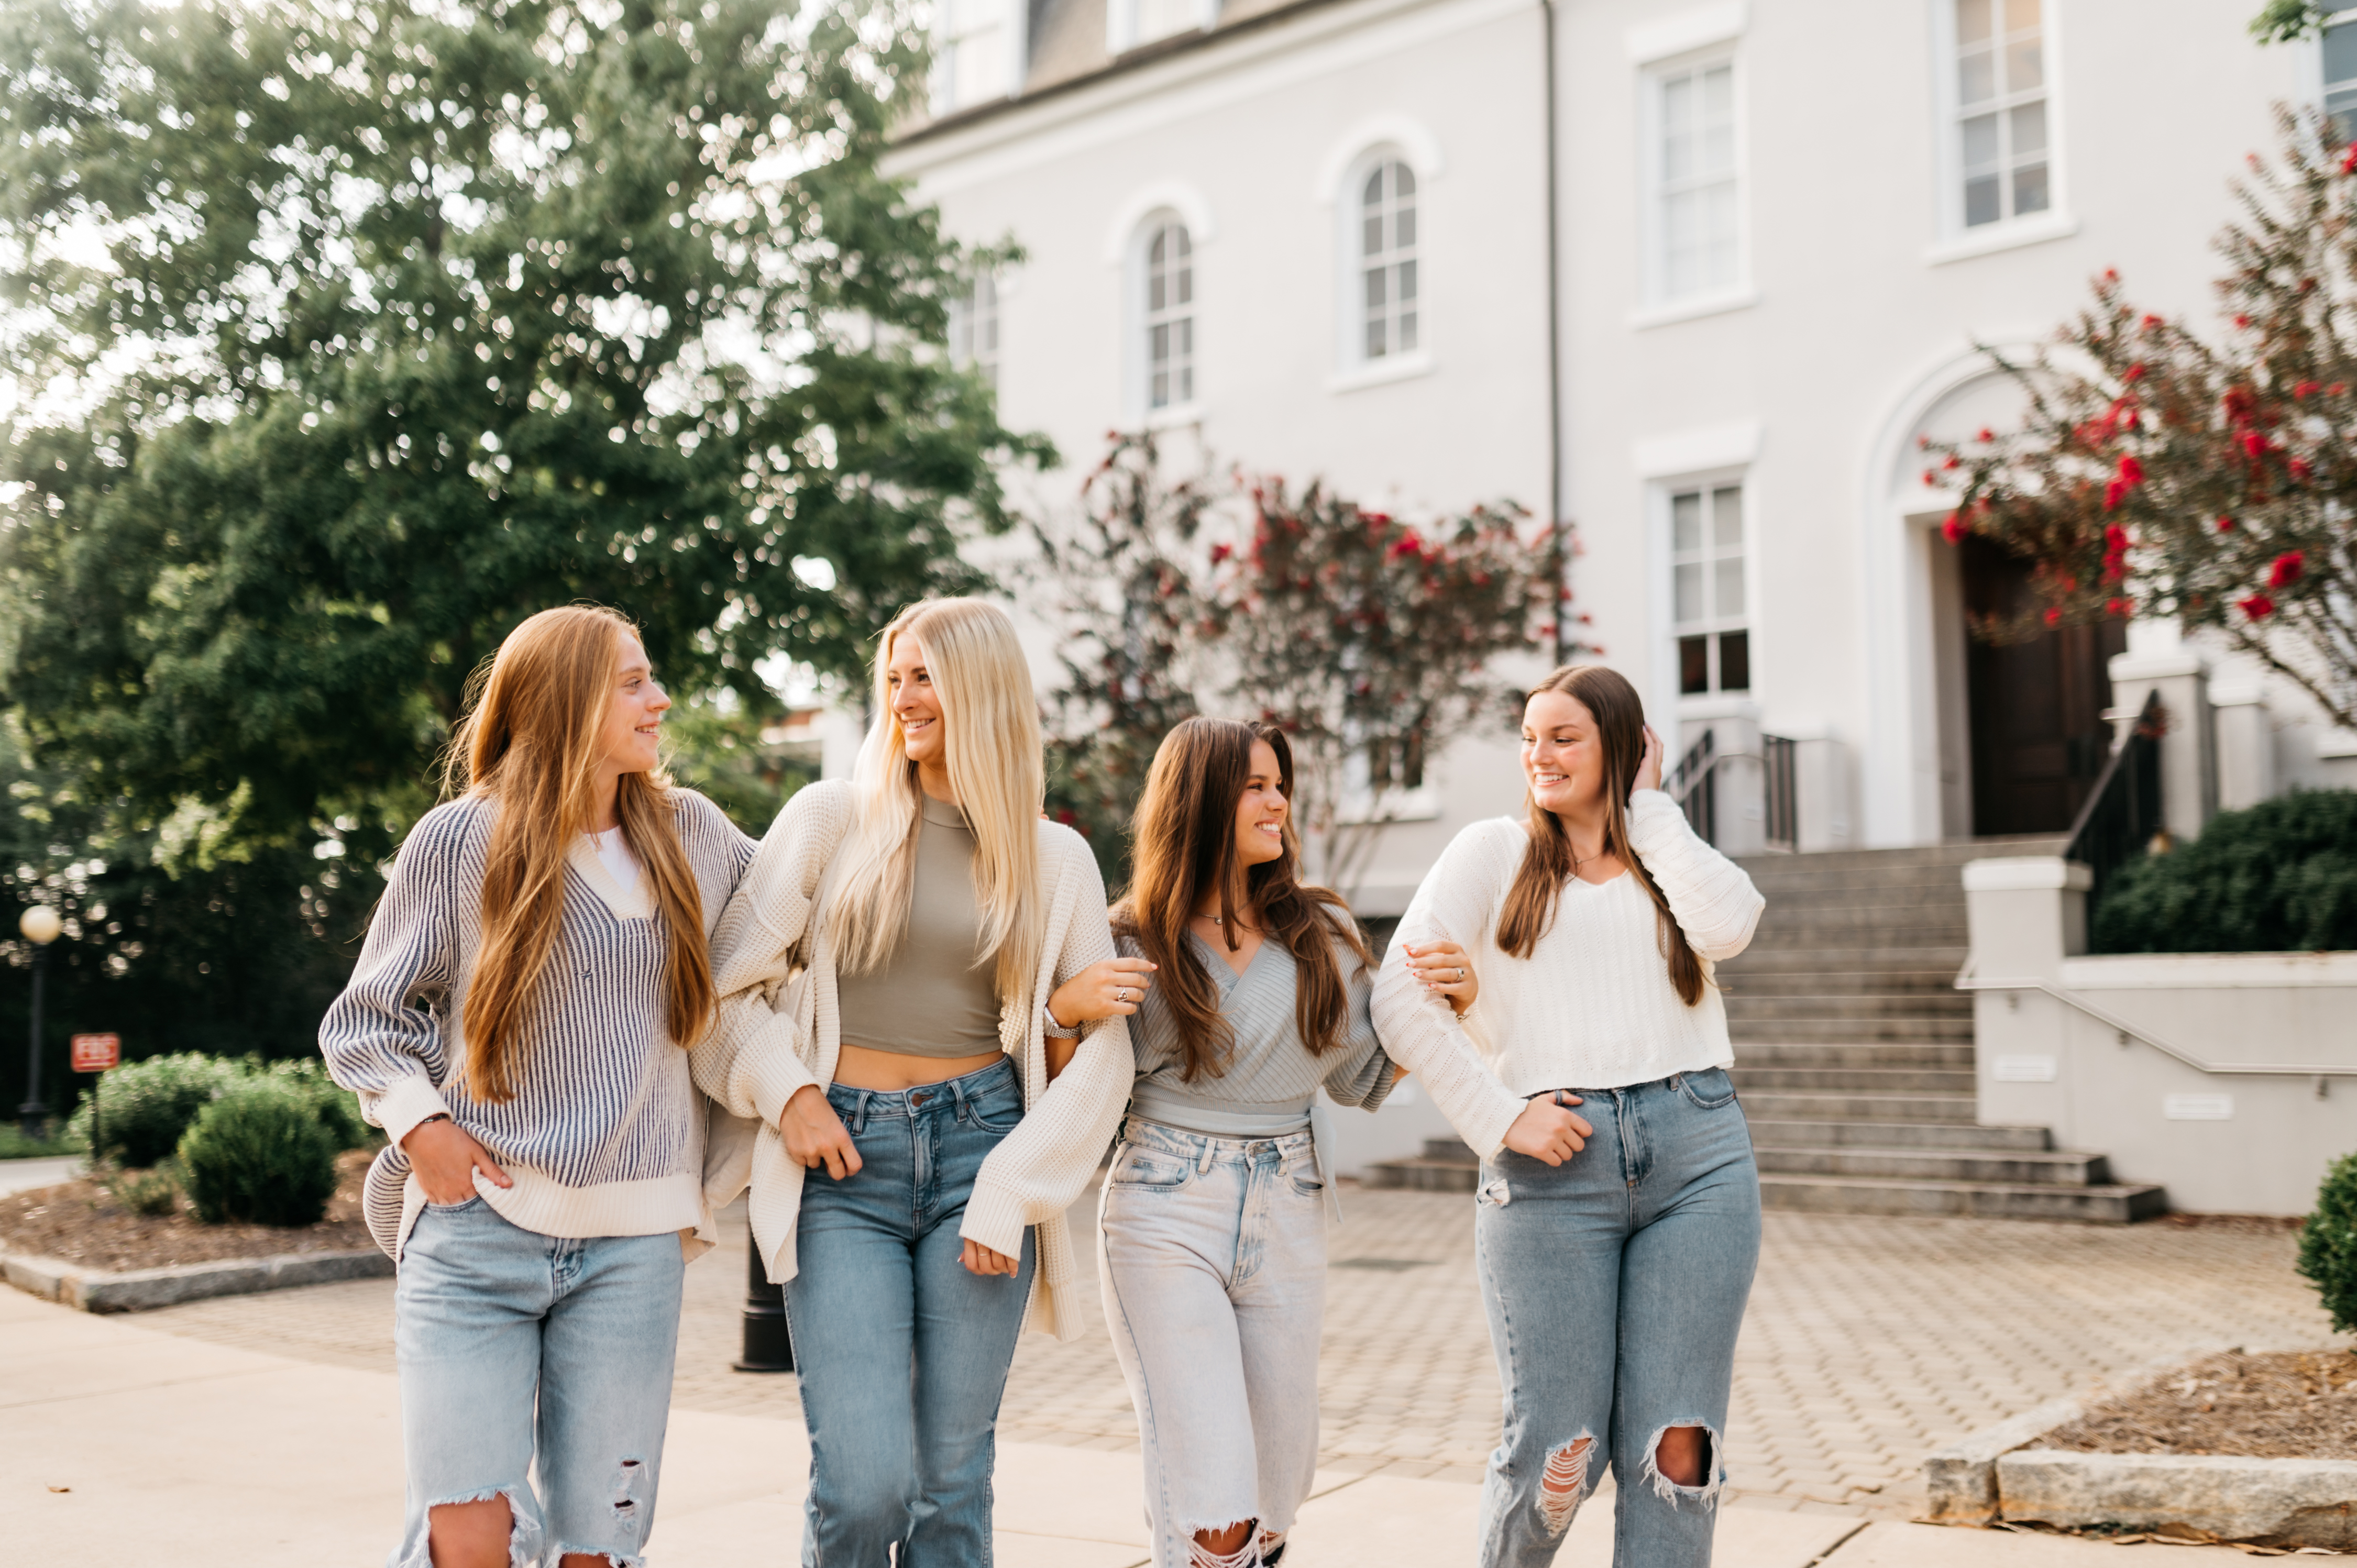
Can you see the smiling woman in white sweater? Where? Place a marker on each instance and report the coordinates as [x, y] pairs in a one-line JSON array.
[[1616, 1246]]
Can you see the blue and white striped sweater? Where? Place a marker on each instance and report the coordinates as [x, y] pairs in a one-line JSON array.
[[606, 1133]]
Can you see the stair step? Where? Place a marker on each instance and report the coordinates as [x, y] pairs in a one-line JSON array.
[[1745, 1004], [1767, 952], [1862, 1054], [2017, 1168], [2109, 1205], [1916, 985], [1785, 1106], [1834, 1031], [1770, 1133], [1425, 1175], [1957, 854], [1749, 1079]]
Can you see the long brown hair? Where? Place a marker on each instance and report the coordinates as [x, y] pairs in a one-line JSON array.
[[1530, 902], [529, 744], [1184, 847]]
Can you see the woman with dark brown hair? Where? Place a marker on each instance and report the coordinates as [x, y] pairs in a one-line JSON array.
[[1616, 1248], [1213, 1257]]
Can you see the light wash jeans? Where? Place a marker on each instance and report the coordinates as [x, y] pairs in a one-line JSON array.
[[902, 1353], [516, 1348], [1615, 1284], [1212, 1259]]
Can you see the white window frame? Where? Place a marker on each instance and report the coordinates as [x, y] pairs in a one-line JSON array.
[[1746, 619], [2318, 87], [1953, 241], [1014, 45], [1658, 305], [1123, 32], [1140, 320], [975, 336]]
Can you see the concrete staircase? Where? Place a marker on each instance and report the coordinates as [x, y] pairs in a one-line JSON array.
[[1853, 1056]]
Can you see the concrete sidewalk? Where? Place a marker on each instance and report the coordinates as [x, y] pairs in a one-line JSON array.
[[122, 1445]]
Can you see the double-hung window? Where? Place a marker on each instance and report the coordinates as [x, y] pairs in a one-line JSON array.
[[973, 329], [973, 54], [1707, 589], [2340, 75], [2003, 135], [1169, 318], [1387, 269], [1697, 214]]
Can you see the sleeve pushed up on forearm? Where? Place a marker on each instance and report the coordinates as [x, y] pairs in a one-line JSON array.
[[1715, 903]]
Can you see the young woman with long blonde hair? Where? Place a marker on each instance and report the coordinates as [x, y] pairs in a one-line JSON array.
[[1212, 1258], [517, 1024], [920, 1003], [1616, 1248]]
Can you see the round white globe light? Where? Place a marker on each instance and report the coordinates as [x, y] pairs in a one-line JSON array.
[[40, 925]]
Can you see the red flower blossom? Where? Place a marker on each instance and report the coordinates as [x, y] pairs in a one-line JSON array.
[[1376, 519], [2131, 471], [2135, 372], [2286, 569], [2255, 444], [2225, 525], [2114, 492], [2259, 607], [2120, 607], [1985, 435], [2299, 468], [2242, 321], [2337, 388], [1930, 477], [1221, 552], [2150, 322], [2306, 389], [2054, 614], [1952, 462], [1953, 530], [2115, 539], [2349, 159]]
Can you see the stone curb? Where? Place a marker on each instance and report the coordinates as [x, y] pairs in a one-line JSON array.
[[1961, 1482], [137, 1290], [2267, 1502]]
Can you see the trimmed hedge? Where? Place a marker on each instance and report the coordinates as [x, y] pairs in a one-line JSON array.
[[2280, 877], [145, 1107], [261, 1154], [2328, 1247]]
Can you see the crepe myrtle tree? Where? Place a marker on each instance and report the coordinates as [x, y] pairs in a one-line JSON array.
[[345, 333], [2160, 473], [1370, 639], [1126, 587]]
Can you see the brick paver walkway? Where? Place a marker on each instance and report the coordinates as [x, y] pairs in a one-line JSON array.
[[1870, 1340]]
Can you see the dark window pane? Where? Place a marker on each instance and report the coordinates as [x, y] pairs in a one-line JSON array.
[[2341, 54], [1980, 202], [1694, 665], [1735, 661]]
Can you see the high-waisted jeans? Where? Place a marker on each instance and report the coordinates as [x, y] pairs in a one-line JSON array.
[[1212, 1258], [518, 1350], [1615, 1284], [902, 1353]]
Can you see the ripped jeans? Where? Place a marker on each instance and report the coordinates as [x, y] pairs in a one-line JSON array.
[[1615, 1284], [516, 1348], [1212, 1263]]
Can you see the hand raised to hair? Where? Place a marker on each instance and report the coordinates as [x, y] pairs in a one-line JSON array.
[[1649, 771]]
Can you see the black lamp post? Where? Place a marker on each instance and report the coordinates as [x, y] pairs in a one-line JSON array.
[[40, 926], [768, 1347]]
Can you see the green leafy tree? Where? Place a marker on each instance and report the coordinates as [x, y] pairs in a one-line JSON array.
[[359, 332], [2156, 473]]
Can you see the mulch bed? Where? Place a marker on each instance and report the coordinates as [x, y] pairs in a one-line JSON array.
[[79, 1222], [2292, 1405]]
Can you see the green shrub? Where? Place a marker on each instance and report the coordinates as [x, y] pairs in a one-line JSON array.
[[146, 1106], [14, 1145], [260, 1153], [2280, 877], [339, 1108], [150, 1192], [2328, 1248]]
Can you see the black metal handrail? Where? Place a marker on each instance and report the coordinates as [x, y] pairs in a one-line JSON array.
[[1693, 784], [1780, 793], [2122, 816]]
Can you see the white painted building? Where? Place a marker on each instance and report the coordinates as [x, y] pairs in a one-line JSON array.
[[1332, 237]]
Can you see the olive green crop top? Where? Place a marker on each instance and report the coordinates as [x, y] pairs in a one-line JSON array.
[[930, 998]]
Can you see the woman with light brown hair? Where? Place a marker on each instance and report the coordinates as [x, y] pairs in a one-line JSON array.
[[1616, 1247], [518, 1025], [1212, 1262], [921, 1006]]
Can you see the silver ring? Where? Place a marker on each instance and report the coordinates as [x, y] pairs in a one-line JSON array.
[[1460, 977], [1120, 993]]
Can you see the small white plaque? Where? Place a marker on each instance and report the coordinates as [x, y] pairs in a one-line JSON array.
[[2023, 1069], [2197, 1107]]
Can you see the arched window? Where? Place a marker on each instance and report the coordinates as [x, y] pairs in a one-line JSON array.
[[1169, 317], [1387, 280]]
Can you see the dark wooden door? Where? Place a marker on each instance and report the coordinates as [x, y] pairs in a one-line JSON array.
[[2038, 731]]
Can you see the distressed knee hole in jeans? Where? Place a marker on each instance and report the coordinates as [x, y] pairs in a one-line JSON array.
[[523, 1528], [1565, 1485], [1247, 1555], [1706, 1492]]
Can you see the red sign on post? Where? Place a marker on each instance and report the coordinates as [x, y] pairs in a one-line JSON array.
[[96, 1053]]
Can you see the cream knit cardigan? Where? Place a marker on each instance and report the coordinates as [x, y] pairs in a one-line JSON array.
[[779, 1029]]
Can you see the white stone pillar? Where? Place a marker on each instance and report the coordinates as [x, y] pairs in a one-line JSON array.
[[2245, 739], [2026, 915]]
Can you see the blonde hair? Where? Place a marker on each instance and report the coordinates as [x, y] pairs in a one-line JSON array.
[[990, 743], [530, 744]]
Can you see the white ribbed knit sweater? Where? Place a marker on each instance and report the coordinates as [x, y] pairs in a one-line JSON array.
[[780, 1027], [1592, 1007]]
